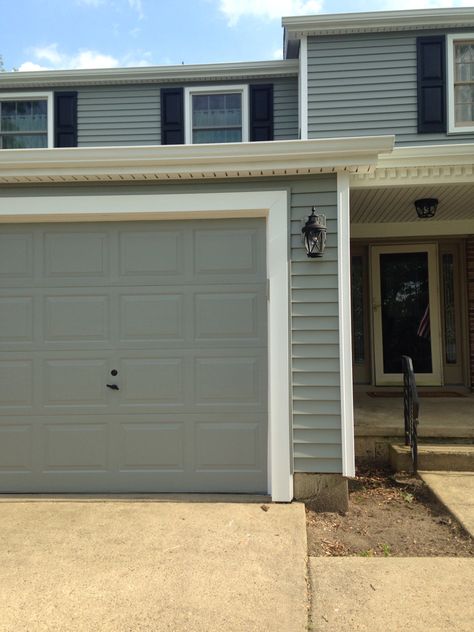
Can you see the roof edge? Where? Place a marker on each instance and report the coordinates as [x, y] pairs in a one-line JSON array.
[[148, 74], [187, 162], [415, 19]]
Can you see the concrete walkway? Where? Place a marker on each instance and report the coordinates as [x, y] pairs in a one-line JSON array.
[[353, 594], [152, 566], [456, 491]]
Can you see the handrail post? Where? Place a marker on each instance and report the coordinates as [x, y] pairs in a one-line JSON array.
[[411, 409]]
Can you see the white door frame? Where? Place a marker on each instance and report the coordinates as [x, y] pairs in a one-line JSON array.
[[424, 379], [273, 205]]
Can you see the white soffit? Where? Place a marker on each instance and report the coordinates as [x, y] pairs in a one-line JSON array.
[[193, 162]]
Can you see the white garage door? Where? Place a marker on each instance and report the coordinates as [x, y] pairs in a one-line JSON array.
[[133, 357]]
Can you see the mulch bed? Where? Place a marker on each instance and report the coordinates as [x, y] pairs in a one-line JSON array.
[[389, 515]]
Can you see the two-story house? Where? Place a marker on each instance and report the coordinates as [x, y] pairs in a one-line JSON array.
[[162, 327]]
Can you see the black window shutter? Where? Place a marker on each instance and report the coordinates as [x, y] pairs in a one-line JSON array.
[[172, 116], [261, 112], [65, 119], [431, 67]]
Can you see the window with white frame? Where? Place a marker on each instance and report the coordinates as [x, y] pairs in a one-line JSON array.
[[217, 114], [25, 120], [461, 82]]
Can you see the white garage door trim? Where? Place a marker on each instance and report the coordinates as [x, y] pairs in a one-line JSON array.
[[270, 204]]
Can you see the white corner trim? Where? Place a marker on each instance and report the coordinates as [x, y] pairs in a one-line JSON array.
[[273, 205], [242, 89], [303, 91], [24, 96], [450, 41], [345, 328], [281, 476]]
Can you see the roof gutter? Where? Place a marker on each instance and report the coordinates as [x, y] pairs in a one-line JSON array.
[[193, 162], [148, 74]]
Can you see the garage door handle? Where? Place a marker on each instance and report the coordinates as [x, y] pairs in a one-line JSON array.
[[114, 387]]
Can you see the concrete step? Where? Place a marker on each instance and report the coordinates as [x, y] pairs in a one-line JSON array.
[[436, 457]]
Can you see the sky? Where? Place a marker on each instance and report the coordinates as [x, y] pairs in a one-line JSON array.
[[64, 34]]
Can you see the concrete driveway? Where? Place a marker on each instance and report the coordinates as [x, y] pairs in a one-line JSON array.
[[140, 565]]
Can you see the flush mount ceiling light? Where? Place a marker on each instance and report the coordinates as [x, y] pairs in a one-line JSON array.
[[314, 234], [426, 207]]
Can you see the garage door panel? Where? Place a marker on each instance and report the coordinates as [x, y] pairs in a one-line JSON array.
[[16, 319], [226, 252], [153, 252], [76, 318], [152, 381], [228, 445], [226, 315], [74, 382], [16, 447], [153, 446], [16, 384], [75, 254], [72, 446], [152, 317], [228, 381], [16, 255]]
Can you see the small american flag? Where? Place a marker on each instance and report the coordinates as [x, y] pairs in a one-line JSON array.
[[423, 330]]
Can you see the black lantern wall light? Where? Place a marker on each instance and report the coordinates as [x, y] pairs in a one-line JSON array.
[[314, 234]]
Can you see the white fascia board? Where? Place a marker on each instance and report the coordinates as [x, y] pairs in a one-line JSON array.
[[197, 161], [428, 156], [149, 74], [378, 21]]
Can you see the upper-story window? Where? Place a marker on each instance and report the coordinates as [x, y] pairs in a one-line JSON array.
[[217, 114], [25, 120], [461, 82]]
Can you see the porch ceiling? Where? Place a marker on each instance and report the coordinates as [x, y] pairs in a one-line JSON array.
[[396, 204]]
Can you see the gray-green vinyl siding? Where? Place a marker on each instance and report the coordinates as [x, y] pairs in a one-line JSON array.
[[313, 310], [366, 84], [315, 335], [118, 115], [130, 115], [285, 104]]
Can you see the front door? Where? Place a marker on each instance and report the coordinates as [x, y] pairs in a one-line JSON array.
[[405, 303]]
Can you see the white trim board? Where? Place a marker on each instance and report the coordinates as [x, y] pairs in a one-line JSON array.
[[345, 326], [417, 228], [270, 204], [303, 91]]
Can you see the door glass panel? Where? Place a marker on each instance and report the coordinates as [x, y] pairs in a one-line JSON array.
[[405, 311], [449, 313], [357, 279]]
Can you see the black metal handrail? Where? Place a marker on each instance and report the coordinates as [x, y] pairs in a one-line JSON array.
[[411, 409]]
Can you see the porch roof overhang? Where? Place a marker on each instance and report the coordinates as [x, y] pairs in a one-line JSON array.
[[382, 201], [448, 163], [193, 162]]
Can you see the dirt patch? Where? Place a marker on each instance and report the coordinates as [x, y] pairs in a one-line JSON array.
[[389, 515]]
